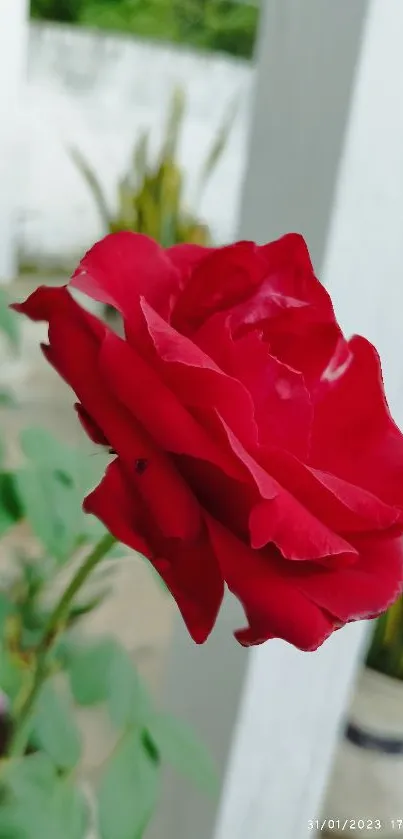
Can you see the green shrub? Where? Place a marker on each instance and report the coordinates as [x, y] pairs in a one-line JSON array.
[[224, 25], [146, 18], [66, 11], [231, 27]]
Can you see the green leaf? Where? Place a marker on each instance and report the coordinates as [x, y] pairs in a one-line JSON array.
[[27, 774], [140, 158], [29, 788], [129, 702], [8, 320], [12, 676], [9, 827], [70, 812], [41, 447], [45, 511], [104, 672], [173, 124], [52, 487], [217, 149], [177, 744], [128, 790], [40, 805], [7, 399], [11, 508], [54, 729], [89, 669], [94, 185]]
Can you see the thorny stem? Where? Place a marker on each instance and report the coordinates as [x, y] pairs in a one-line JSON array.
[[55, 622]]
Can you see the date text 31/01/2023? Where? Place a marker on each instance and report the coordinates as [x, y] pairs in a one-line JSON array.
[[354, 824]]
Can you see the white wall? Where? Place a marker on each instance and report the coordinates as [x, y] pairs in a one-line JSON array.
[[364, 264], [98, 92], [13, 15]]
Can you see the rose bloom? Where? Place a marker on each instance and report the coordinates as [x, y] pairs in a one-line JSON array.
[[253, 446]]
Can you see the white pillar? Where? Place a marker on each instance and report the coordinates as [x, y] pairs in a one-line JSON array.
[[271, 715], [13, 26], [285, 737]]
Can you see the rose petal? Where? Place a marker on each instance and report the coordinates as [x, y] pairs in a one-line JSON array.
[[227, 499], [354, 436], [314, 349], [292, 309], [192, 574], [281, 519], [115, 503], [297, 533], [196, 379], [44, 301], [124, 266], [186, 257], [288, 289], [74, 350], [373, 512], [282, 405], [364, 589], [267, 486], [340, 505], [289, 266], [90, 427], [189, 569], [225, 277], [139, 388], [273, 606]]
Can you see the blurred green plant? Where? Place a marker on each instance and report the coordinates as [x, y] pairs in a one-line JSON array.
[[66, 11], [10, 332], [8, 321], [150, 196], [39, 792], [385, 653], [224, 25], [49, 667]]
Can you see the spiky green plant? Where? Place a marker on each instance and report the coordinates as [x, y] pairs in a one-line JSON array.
[[386, 650], [150, 195]]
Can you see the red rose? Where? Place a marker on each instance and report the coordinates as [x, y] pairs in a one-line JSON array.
[[254, 446]]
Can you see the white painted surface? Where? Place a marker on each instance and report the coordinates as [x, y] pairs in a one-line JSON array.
[[285, 737], [13, 25], [98, 92], [293, 703], [364, 265]]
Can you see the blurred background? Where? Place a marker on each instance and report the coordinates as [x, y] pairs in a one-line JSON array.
[[201, 121], [101, 81], [133, 116]]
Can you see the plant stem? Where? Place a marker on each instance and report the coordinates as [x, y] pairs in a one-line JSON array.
[[55, 623]]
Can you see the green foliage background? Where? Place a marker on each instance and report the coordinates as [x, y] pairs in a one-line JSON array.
[[223, 25]]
